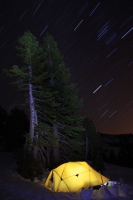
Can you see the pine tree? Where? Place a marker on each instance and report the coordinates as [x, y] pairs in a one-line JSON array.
[[30, 79], [55, 125], [27, 48], [58, 120], [67, 126], [94, 149]]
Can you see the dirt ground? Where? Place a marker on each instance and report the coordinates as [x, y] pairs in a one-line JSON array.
[[14, 187], [120, 174]]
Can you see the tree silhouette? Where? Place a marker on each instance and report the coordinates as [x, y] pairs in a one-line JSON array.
[[16, 127], [3, 121]]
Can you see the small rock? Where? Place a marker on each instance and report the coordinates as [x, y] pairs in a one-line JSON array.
[[36, 180]]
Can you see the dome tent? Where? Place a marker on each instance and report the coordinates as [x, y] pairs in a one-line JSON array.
[[73, 176]]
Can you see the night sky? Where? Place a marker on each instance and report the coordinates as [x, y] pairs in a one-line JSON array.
[[96, 40]]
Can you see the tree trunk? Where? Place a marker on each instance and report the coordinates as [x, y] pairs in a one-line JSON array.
[[33, 114], [48, 158], [56, 156], [56, 153], [86, 144], [36, 138], [32, 110]]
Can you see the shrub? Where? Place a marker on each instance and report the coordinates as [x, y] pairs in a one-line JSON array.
[[27, 166], [98, 163]]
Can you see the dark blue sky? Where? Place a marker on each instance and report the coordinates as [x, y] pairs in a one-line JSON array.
[[96, 39]]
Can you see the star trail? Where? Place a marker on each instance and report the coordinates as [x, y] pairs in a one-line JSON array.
[[96, 40]]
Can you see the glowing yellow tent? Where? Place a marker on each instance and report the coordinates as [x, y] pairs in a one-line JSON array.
[[73, 176]]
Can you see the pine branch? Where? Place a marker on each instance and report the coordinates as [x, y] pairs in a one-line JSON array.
[[38, 99]]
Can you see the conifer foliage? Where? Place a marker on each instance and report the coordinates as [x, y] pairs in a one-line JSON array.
[[55, 126], [94, 151]]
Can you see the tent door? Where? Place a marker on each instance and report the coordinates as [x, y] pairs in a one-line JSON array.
[[52, 179]]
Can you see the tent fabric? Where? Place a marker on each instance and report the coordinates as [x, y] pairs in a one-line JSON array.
[[73, 176]]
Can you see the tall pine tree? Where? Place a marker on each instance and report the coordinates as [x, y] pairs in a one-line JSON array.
[[67, 123], [30, 79], [27, 48], [55, 124]]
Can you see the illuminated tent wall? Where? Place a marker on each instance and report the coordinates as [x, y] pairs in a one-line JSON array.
[[73, 176]]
